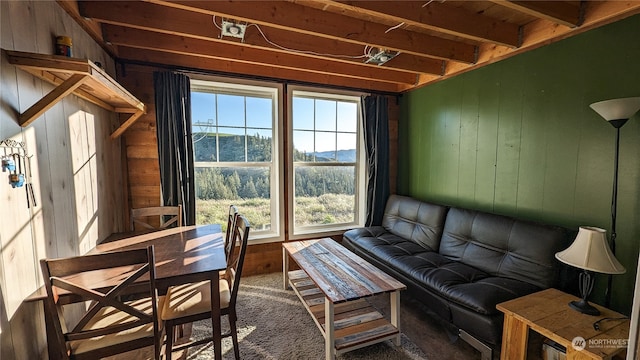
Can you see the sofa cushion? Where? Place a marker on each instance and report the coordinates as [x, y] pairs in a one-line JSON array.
[[502, 246], [454, 281], [414, 220]]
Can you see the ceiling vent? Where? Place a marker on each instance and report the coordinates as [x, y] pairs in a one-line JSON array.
[[232, 29]]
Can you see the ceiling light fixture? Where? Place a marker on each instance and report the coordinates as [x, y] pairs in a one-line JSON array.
[[380, 56], [232, 29]]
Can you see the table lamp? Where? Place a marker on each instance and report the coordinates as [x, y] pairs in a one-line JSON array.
[[589, 252]]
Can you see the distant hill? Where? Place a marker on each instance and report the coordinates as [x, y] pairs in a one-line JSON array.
[[343, 155], [259, 149]]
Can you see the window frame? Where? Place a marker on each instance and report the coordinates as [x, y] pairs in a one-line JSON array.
[[218, 85], [302, 232]]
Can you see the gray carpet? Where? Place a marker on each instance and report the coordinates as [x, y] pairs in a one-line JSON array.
[[273, 324]]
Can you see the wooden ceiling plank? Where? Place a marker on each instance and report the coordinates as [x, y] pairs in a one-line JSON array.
[[185, 23], [298, 18], [118, 35], [258, 71], [543, 32], [562, 12], [436, 16]]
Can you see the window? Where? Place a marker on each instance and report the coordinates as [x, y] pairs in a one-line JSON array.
[[235, 144], [238, 149], [327, 172]]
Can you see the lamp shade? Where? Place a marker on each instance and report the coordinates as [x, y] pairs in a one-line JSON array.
[[590, 251], [617, 109]]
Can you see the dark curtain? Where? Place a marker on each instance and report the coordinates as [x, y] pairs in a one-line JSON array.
[[376, 140], [173, 119]]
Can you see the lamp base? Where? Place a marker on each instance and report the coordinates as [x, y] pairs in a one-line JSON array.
[[584, 307]]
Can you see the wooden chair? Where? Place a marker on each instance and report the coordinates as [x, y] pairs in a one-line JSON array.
[[144, 216], [231, 223], [192, 302], [109, 323]]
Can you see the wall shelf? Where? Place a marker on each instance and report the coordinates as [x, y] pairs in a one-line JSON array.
[[76, 76]]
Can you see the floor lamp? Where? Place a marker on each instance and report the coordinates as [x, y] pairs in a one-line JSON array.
[[616, 112]]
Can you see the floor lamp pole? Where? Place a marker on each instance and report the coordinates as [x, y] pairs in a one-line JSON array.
[[614, 204]]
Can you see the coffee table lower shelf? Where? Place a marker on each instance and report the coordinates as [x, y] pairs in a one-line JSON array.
[[356, 323]]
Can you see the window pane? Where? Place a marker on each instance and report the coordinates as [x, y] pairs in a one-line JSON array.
[[324, 195], [347, 142], [325, 146], [347, 116], [203, 109], [246, 187], [326, 115], [230, 110], [259, 112], [303, 145], [302, 113], [204, 146], [259, 145], [232, 145]]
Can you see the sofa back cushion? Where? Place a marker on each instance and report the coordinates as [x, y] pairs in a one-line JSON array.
[[414, 220], [502, 246]]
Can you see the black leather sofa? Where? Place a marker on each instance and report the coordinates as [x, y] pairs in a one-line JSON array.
[[460, 263]]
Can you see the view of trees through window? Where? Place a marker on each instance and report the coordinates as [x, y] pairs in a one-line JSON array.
[[233, 136], [325, 142]]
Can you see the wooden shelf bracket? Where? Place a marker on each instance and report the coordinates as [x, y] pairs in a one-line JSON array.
[[76, 76]]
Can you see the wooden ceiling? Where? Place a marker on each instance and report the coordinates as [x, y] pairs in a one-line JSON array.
[[329, 42]]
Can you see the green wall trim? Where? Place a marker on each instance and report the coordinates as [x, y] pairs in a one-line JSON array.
[[518, 138]]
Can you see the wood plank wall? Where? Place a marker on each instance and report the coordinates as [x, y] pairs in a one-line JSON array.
[[143, 168], [518, 138], [74, 163]]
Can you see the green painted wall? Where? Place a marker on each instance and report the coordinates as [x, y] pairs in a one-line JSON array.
[[518, 137]]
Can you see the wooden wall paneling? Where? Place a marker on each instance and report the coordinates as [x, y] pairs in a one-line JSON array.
[[394, 116], [21, 247], [533, 145], [487, 139], [508, 141], [82, 182], [48, 229], [262, 259], [141, 144], [450, 130], [469, 107], [562, 171], [414, 141], [14, 234], [23, 224], [562, 154]]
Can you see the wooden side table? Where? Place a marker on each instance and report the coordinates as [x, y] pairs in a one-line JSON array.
[[548, 313]]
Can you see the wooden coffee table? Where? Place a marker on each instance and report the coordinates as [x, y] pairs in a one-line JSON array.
[[332, 285]]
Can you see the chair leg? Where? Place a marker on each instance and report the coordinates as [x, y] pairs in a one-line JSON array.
[[234, 335], [170, 332]]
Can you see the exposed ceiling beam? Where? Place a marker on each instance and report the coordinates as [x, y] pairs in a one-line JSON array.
[[235, 52], [228, 67], [200, 26], [298, 18], [543, 32], [434, 16], [567, 13]]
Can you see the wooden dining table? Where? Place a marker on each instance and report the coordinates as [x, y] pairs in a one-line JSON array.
[[183, 255]]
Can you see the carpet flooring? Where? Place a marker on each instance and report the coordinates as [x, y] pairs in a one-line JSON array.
[[273, 324]]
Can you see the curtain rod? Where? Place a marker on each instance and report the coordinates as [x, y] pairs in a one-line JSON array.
[[123, 62]]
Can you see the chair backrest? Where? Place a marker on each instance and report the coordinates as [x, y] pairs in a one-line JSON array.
[[92, 291], [231, 223], [146, 217], [239, 237]]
